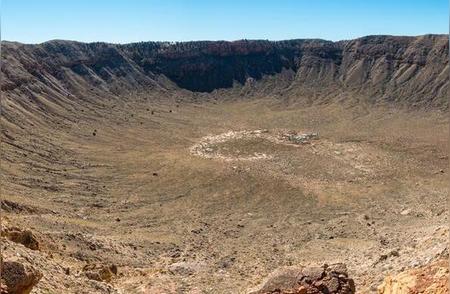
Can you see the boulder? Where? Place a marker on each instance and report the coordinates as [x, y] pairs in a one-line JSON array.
[[19, 278], [312, 280], [101, 273]]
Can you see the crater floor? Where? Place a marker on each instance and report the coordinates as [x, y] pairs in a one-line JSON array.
[[209, 197]]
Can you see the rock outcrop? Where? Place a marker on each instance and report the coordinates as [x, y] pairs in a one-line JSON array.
[[429, 279], [25, 237]]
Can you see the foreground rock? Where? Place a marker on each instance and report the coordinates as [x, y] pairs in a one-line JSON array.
[[307, 280], [18, 278], [430, 279]]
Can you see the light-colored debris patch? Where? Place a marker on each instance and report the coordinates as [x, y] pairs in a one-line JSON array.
[[208, 145]]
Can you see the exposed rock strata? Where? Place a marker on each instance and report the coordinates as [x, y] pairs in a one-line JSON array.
[[411, 70]]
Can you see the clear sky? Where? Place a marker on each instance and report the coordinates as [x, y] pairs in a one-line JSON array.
[[123, 21]]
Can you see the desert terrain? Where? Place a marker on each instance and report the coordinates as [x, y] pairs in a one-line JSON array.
[[121, 174]]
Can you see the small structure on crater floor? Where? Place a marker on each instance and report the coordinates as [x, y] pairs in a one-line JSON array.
[[304, 138]]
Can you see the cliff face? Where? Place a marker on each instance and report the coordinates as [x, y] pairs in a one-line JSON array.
[[403, 69], [205, 66]]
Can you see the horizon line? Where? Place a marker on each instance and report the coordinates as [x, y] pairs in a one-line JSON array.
[[229, 41]]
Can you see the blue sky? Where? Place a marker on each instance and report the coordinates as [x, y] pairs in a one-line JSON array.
[[35, 21]]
